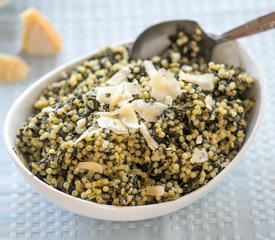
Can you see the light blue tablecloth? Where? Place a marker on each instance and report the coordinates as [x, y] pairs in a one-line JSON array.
[[241, 207]]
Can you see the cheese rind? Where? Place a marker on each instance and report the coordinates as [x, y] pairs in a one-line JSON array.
[[39, 36], [12, 68]]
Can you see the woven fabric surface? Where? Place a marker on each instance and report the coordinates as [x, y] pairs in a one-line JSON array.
[[242, 206]]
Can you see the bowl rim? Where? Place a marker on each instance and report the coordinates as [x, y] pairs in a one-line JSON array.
[[124, 213]]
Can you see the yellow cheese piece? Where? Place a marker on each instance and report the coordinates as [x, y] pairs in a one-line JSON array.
[[39, 37], [12, 68]]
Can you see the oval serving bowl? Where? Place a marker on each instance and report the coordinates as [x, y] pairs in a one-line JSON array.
[[232, 53]]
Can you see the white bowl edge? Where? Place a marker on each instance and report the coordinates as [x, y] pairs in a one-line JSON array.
[[107, 212]]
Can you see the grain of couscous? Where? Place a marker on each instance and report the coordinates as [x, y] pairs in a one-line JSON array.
[[134, 132]]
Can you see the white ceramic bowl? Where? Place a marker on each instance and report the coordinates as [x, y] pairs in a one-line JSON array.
[[229, 53]]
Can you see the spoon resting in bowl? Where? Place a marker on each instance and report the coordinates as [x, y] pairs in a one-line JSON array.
[[157, 38]]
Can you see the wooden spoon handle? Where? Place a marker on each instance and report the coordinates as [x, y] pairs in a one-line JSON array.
[[255, 26]]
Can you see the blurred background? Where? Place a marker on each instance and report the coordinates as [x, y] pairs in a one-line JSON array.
[[243, 204]]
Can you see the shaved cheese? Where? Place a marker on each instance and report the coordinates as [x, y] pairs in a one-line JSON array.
[[104, 94], [92, 166], [205, 81], [209, 102], [187, 68], [119, 77], [128, 117], [109, 114], [132, 88], [165, 88], [124, 119], [117, 99], [149, 68], [149, 111], [199, 139], [47, 110], [151, 142], [124, 94], [88, 133], [154, 191], [113, 124], [117, 95], [105, 144], [199, 156]]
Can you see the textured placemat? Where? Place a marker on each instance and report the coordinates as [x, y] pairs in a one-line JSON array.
[[243, 204]]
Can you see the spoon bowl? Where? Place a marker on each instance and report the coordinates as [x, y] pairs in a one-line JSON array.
[[156, 39]]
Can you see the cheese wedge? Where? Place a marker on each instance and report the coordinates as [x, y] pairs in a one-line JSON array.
[[39, 36], [12, 68]]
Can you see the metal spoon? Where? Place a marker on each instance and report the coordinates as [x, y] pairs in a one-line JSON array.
[[154, 40]]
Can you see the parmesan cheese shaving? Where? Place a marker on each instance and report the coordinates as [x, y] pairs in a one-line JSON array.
[[149, 68], [132, 88], [199, 139], [105, 144], [149, 111], [156, 191], [205, 81], [117, 95], [128, 117], [113, 124], [119, 77], [104, 94], [92, 166], [124, 120], [165, 88], [209, 102], [109, 114], [88, 133], [151, 142], [187, 68], [199, 156], [47, 110]]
